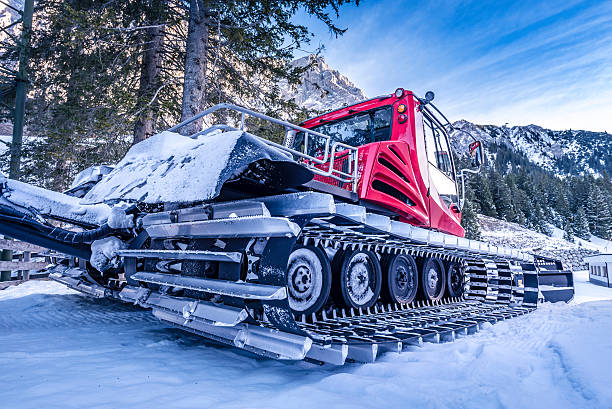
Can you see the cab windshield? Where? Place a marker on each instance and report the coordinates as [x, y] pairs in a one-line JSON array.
[[357, 130]]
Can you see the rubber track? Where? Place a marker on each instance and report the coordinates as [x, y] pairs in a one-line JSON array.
[[489, 298]]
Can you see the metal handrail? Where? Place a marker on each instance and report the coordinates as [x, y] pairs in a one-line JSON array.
[[329, 154]]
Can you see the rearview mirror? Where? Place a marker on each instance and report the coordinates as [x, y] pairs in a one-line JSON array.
[[476, 154]]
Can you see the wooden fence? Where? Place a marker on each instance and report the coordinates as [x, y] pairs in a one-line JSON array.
[[19, 257]]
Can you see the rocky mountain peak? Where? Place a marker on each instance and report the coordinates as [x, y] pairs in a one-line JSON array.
[[322, 88]]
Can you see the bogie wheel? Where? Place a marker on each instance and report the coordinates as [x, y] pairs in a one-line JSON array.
[[401, 279], [433, 279], [308, 279], [359, 278], [454, 279]]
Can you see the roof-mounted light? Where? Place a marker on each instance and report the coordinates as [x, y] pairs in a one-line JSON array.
[[399, 92]]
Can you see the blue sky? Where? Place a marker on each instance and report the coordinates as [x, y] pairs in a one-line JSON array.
[[490, 62]]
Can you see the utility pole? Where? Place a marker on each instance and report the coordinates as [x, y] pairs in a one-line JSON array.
[[21, 89]]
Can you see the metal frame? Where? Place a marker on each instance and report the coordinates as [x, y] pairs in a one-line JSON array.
[[311, 162], [463, 172]]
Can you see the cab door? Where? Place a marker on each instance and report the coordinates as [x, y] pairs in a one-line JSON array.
[[444, 211]]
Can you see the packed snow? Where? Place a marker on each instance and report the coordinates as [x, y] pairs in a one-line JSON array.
[[500, 232], [4, 143], [168, 167], [118, 219], [104, 253], [63, 350]]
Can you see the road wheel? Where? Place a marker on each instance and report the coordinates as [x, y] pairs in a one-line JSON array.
[[454, 279], [308, 279], [359, 279], [433, 279], [401, 279]]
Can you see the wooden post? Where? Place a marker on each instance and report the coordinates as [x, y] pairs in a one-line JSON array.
[[20, 272], [26, 258], [6, 255], [24, 264]]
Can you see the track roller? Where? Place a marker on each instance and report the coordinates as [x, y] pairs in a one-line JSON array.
[[359, 278], [308, 279], [401, 278], [432, 279], [454, 279]]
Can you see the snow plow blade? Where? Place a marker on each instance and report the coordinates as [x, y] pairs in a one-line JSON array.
[[556, 286], [546, 280], [172, 168], [555, 283]]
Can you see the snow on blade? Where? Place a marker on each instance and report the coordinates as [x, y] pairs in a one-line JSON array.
[[48, 202], [168, 167]]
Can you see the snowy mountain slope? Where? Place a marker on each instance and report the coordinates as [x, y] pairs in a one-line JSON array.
[[322, 87], [502, 233], [568, 152], [62, 350]]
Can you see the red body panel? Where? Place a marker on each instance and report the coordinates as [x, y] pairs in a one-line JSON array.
[[394, 174]]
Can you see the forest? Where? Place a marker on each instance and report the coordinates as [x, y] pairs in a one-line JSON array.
[[513, 189], [106, 74]]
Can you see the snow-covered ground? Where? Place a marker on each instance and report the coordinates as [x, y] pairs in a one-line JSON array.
[[62, 350], [4, 140]]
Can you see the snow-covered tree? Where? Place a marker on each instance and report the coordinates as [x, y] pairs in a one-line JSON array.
[[469, 218], [581, 224], [501, 196]]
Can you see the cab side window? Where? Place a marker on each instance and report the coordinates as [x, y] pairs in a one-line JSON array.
[[438, 151]]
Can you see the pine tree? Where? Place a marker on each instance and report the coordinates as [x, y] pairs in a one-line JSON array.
[[84, 64], [480, 184], [237, 51], [537, 218], [581, 224], [605, 222], [469, 218], [117, 68], [559, 203], [596, 211], [501, 196], [568, 231], [469, 221]]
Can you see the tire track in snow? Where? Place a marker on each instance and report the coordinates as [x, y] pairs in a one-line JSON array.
[[43, 311], [577, 385]]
